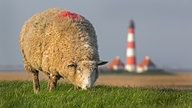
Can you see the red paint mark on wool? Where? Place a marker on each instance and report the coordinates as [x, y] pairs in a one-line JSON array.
[[69, 14]]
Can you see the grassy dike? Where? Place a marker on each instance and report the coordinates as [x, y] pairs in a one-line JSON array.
[[19, 94]]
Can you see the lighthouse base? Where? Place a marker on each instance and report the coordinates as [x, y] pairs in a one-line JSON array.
[[130, 68]]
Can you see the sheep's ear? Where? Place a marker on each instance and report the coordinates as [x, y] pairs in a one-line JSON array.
[[102, 62], [73, 64]]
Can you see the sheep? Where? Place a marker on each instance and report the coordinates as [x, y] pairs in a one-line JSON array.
[[61, 44]]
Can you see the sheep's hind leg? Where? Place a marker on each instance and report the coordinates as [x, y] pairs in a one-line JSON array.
[[52, 82], [35, 76]]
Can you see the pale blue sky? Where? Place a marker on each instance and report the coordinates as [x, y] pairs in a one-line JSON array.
[[163, 27]]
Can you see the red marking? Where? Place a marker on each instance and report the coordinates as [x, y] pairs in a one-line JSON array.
[[130, 60], [131, 30], [131, 45], [69, 14]]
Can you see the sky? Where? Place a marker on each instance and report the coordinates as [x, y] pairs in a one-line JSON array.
[[163, 28]]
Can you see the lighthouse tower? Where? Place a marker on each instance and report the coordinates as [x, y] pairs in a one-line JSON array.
[[130, 56]]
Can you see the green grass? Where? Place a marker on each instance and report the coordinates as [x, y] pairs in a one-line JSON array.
[[19, 94]]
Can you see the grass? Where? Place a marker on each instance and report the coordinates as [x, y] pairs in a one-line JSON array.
[[19, 94]]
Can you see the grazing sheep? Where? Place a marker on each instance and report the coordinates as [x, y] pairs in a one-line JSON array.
[[61, 44]]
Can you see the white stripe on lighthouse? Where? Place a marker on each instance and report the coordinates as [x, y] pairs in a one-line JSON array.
[[130, 37], [130, 52], [130, 68]]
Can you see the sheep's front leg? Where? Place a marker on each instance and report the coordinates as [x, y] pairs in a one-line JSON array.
[[76, 87], [36, 85], [52, 83]]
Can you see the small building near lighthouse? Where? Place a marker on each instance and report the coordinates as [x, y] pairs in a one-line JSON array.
[[116, 64], [146, 65]]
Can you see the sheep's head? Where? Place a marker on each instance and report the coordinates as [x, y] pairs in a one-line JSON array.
[[86, 73]]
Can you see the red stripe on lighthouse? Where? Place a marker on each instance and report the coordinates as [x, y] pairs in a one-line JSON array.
[[131, 45], [131, 60], [131, 30]]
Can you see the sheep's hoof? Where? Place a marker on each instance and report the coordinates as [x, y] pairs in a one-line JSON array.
[[52, 88], [36, 87], [76, 87], [36, 90]]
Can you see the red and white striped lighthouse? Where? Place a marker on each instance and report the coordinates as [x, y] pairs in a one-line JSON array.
[[130, 56]]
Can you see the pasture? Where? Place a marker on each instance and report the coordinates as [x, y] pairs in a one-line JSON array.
[[19, 94]]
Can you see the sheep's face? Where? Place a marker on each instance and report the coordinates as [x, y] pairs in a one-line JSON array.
[[86, 73]]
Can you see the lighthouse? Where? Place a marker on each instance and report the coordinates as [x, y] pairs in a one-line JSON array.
[[130, 53]]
